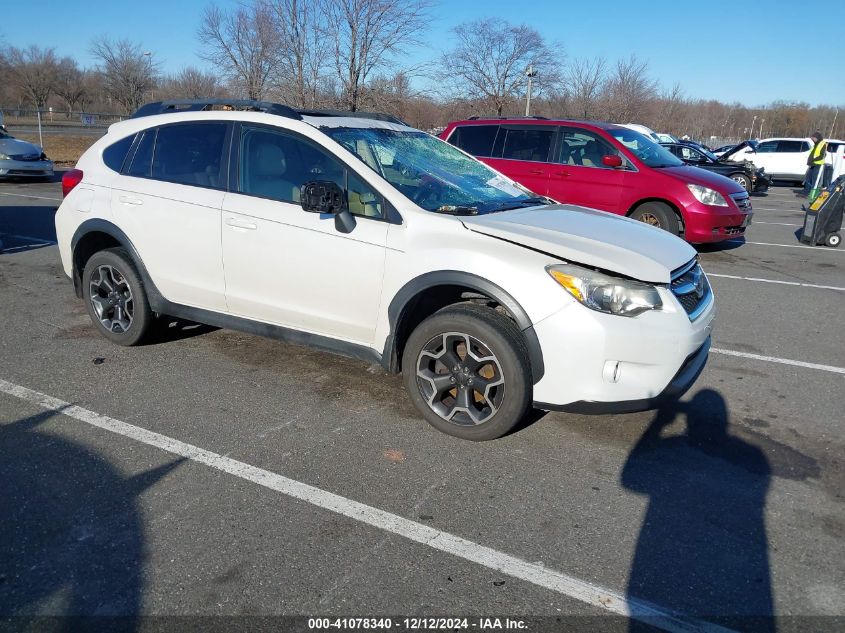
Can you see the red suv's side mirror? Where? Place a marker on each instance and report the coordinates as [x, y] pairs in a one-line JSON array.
[[611, 160]]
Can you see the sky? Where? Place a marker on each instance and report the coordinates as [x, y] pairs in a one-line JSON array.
[[752, 52]]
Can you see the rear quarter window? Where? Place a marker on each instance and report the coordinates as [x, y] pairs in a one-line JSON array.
[[115, 154], [475, 139]]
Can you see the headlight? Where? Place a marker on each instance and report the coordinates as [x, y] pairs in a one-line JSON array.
[[706, 195], [3, 157], [604, 293]]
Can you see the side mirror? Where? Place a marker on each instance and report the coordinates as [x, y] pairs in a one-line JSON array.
[[322, 196], [611, 160], [325, 196]]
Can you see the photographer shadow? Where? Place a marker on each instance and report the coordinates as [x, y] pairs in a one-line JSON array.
[[72, 542], [702, 549]]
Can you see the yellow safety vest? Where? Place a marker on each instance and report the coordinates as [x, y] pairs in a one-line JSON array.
[[818, 153]]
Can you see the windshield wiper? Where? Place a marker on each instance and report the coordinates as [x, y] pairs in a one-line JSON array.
[[516, 204], [452, 209]]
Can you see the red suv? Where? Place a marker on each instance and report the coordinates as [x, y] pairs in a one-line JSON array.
[[608, 167]]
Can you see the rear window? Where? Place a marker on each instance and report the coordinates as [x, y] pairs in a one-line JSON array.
[[115, 154], [190, 154], [475, 139], [528, 144]]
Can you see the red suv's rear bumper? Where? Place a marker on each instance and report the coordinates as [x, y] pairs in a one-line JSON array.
[[704, 223]]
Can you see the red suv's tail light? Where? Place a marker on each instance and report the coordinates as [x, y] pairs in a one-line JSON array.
[[71, 178]]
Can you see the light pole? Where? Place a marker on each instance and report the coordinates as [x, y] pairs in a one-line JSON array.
[[753, 121], [149, 56], [762, 121], [530, 73], [832, 125]]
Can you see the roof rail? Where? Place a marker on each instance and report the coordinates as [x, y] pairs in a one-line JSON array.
[[377, 116], [197, 105], [475, 117]]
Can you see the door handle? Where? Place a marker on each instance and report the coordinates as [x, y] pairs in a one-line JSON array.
[[241, 224], [561, 173], [131, 200], [536, 172]]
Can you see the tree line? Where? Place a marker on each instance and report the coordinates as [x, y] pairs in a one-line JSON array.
[[349, 54]]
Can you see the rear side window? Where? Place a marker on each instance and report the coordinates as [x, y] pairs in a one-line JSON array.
[[792, 146], [143, 160], [475, 139], [115, 154], [190, 154], [528, 143]]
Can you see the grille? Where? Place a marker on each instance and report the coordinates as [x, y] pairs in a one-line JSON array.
[[691, 289], [742, 201], [25, 157]]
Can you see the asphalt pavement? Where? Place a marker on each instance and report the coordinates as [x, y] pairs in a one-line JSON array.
[[214, 473]]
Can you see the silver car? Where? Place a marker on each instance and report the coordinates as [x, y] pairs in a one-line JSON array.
[[19, 159]]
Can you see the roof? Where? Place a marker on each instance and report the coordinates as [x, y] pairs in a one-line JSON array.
[[604, 125], [250, 105]]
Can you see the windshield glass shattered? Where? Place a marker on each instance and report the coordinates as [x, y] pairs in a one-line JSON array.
[[432, 173]]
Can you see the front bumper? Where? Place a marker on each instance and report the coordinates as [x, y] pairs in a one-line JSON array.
[[25, 168], [705, 223], [597, 362]]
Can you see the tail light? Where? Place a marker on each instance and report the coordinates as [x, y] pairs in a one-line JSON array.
[[70, 179]]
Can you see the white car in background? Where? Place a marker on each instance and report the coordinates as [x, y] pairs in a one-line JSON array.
[[782, 158], [645, 131]]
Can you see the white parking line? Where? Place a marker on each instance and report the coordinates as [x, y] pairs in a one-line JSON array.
[[778, 223], [820, 249], [776, 281], [782, 361], [26, 195], [587, 592]]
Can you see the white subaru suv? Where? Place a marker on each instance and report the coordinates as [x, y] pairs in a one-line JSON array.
[[357, 234]]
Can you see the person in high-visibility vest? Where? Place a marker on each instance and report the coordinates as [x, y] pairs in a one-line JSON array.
[[815, 161]]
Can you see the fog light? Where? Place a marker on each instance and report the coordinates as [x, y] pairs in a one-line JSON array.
[[612, 371]]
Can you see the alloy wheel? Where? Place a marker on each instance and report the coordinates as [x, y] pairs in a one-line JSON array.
[[650, 218], [460, 378], [111, 298]]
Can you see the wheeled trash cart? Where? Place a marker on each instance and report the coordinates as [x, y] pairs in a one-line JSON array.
[[823, 218]]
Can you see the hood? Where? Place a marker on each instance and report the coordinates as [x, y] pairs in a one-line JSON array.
[[736, 148], [698, 176], [16, 147], [589, 237]]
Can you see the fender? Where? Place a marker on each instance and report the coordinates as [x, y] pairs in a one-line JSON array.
[[97, 225], [403, 298]]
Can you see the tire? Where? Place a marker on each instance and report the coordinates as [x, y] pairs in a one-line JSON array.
[[658, 214], [743, 180], [123, 312], [833, 240], [463, 410]]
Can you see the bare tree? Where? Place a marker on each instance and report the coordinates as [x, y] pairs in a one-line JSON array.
[[630, 90], [34, 70], [585, 79], [303, 48], [191, 83], [128, 74], [243, 43], [69, 83], [367, 34], [490, 59]]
